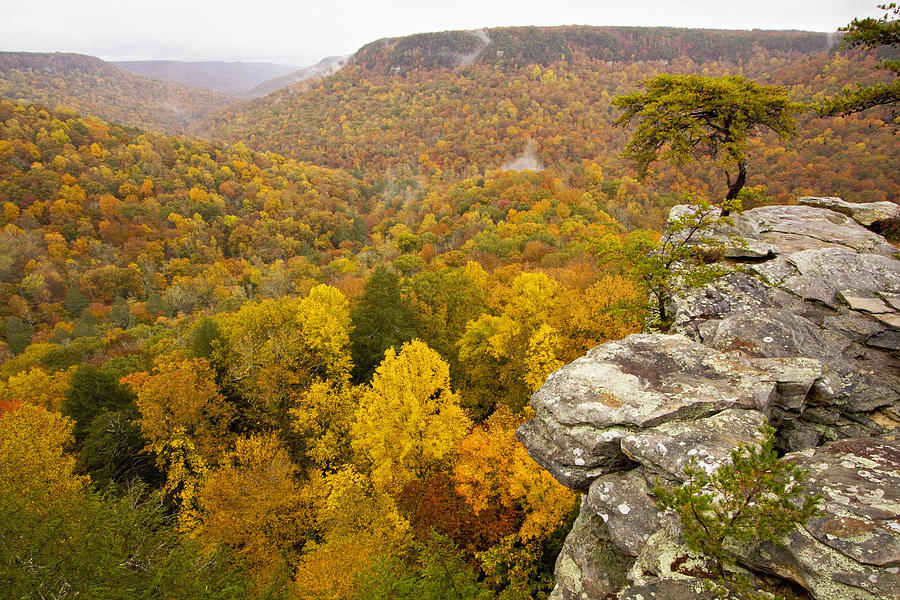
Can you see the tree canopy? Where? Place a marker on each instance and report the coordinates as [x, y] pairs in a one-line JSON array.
[[409, 418], [870, 34], [681, 118]]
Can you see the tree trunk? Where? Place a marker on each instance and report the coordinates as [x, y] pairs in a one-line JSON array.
[[735, 188]]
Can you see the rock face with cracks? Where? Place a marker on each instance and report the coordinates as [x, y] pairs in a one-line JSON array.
[[803, 333]]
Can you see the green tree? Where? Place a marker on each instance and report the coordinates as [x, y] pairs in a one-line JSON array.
[[444, 301], [871, 33], [679, 258], [753, 498], [204, 337], [681, 118], [91, 393], [120, 313], [441, 574], [58, 538], [18, 334], [113, 451], [382, 319], [75, 301]]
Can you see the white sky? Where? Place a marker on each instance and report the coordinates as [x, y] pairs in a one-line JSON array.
[[301, 32]]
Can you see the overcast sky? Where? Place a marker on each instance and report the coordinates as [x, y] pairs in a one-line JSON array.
[[301, 32]]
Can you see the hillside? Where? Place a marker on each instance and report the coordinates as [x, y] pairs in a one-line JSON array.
[[94, 87], [233, 78], [187, 226], [167, 260], [323, 68], [404, 108]]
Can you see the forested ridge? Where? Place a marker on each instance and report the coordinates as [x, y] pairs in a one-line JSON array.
[[291, 364], [544, 46], [458, 121], [98, 88]]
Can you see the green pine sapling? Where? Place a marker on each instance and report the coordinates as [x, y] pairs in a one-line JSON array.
[[756, 497]]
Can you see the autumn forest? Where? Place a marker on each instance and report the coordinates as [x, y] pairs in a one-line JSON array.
[[279, 349]]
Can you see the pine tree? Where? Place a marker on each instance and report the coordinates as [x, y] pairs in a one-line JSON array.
[[681, 118], [756, 497], [382, 319]]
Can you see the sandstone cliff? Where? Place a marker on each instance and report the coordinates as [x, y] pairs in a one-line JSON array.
[[804, 333]]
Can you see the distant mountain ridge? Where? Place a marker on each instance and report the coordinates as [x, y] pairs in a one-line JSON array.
[[518, 46], [50, 62], [323, 68], [440, 85], [234, 78], [458, 104], [94, 87]]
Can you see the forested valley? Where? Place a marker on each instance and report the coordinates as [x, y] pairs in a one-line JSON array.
[[286, 356]]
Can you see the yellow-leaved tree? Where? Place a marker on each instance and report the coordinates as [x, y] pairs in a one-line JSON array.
[[323, 416], [33, 462], [185, 421], [254, 504], [508, 356], [540, 358], [37, 386], [180, 393], [357, 524], [274, 350], [409, 421], [185, 472], [495, 470]]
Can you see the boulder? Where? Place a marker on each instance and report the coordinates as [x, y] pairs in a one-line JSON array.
[[798, 228], [860, 484], [864, 301], [805, 335], [589, 566], [585, 408], [818, 275], [782, 230], [737, 292], [794, 379], [772, 333], [670, 589], [852, 550], [626, 504], [705, 443], [881, 217], [832, 299], [666, 557]]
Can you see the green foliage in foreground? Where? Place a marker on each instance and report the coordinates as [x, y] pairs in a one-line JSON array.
[[441, 574], [754, 498], [105, 548], [682, 255]]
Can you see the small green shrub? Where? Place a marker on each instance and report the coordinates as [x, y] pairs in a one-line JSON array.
[[756, 497]]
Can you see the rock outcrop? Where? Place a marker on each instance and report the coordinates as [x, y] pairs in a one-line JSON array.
[[881, 217], [803, 333]]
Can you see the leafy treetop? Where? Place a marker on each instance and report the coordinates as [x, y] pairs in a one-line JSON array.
[[685, 117], [871, 33]]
